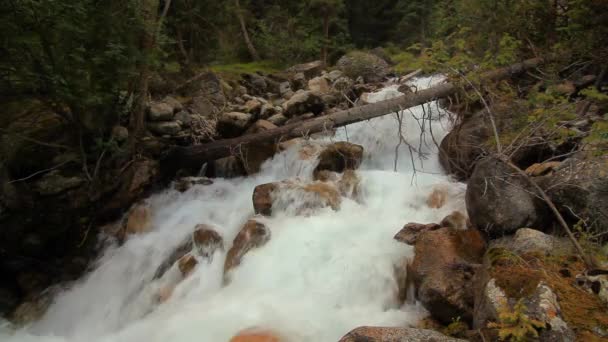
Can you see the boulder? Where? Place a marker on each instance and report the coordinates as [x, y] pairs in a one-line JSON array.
[[361, 64], [253, 235], [165, 127], [437, 197], [339, 156], [532, 241], [206, 240], [303, 102], [137, 179], [233, 124], [456, 220], [160, 111], [256, 84], [253, 106], [579, 189], [334, 75], [295, 198], [442, 270], [267, 110], [389, 334], [308, 70], [139, 220], [208, 95], [187, 264], [499, 201], [319, 85], [285, 89], [227, 167]]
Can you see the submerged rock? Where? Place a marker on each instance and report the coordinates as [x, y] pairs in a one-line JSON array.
[[295, 198], [389, 334], [254, 234]]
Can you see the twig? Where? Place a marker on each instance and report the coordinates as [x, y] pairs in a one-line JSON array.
[[38, 172], [6, 131]]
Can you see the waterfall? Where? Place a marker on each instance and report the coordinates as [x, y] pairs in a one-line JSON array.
[[317, 278]]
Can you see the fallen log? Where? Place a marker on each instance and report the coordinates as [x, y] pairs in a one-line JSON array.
[[195, 156]]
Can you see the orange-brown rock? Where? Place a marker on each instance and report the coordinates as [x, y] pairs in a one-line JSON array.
[[348, 185], [541, 169], [456, 220], [207, 240], [253, 235], [442, 270], [255, 335], [164, 293], [295, 197], [187, 264], [139, 220], [437, 198], [410, 232], [340, 156]]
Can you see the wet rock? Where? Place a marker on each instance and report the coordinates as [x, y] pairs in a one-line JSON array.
[[227, 167], [139, 220], [410, 232], [303, 102], [499, 201], [319, 85], [340, 156], [308, 70], [294, 198], [349, 184], [207, 241], [137, 179], [233, 124], [442, 271], [120, 133], [437, 198], [165, 127], [257, 335], [541, 169], [360, 64], [531, 241], [253, 235], [187, 264], [386, 334], [31, 310], [160, 111], [278, 119], [456, 220]]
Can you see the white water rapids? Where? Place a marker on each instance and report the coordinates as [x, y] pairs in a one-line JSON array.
[[316, 279]]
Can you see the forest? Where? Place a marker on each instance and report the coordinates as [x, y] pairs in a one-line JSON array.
[[106, 105]]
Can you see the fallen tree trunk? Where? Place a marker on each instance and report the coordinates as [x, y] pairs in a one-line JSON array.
[[195, 156]]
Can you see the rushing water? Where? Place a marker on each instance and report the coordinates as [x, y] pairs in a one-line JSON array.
[[317, 278]]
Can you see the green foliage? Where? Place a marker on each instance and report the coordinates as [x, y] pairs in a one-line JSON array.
[[516, 325], [233, 71]]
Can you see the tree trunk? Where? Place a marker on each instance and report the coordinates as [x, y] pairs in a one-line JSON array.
[[195, 156], [252, 51], [149, 11], [324, 48]]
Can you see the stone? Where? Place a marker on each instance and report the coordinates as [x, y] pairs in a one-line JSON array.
[[261, 126], [285, 89], [233, 124], [541, 169], [137, 179], [308, 70], [207, 241], [187, 264], [278, 119], [499, 201], [532, 241], [31, 310], [456, 220], [319, 85], [361, 64], [295, 198], [334, 75], [184, 118], [339, 156], [390, 334], [256, 335], [253, 106], [410, 232], [303, 102], [173, 103], [437, 197], [442, 271], [54, 183], [256, 84], [343, 84], [165, 127], [139, 220], [160, 111], [120, 133], [227, 167], [267, 110], [252, 235]]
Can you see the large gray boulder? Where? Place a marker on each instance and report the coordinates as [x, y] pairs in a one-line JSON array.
[[361, 64], [499, 201]]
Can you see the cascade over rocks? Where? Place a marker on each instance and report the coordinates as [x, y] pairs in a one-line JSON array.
[[386, 334], [499, 201], [442, 270], [295, 197]]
